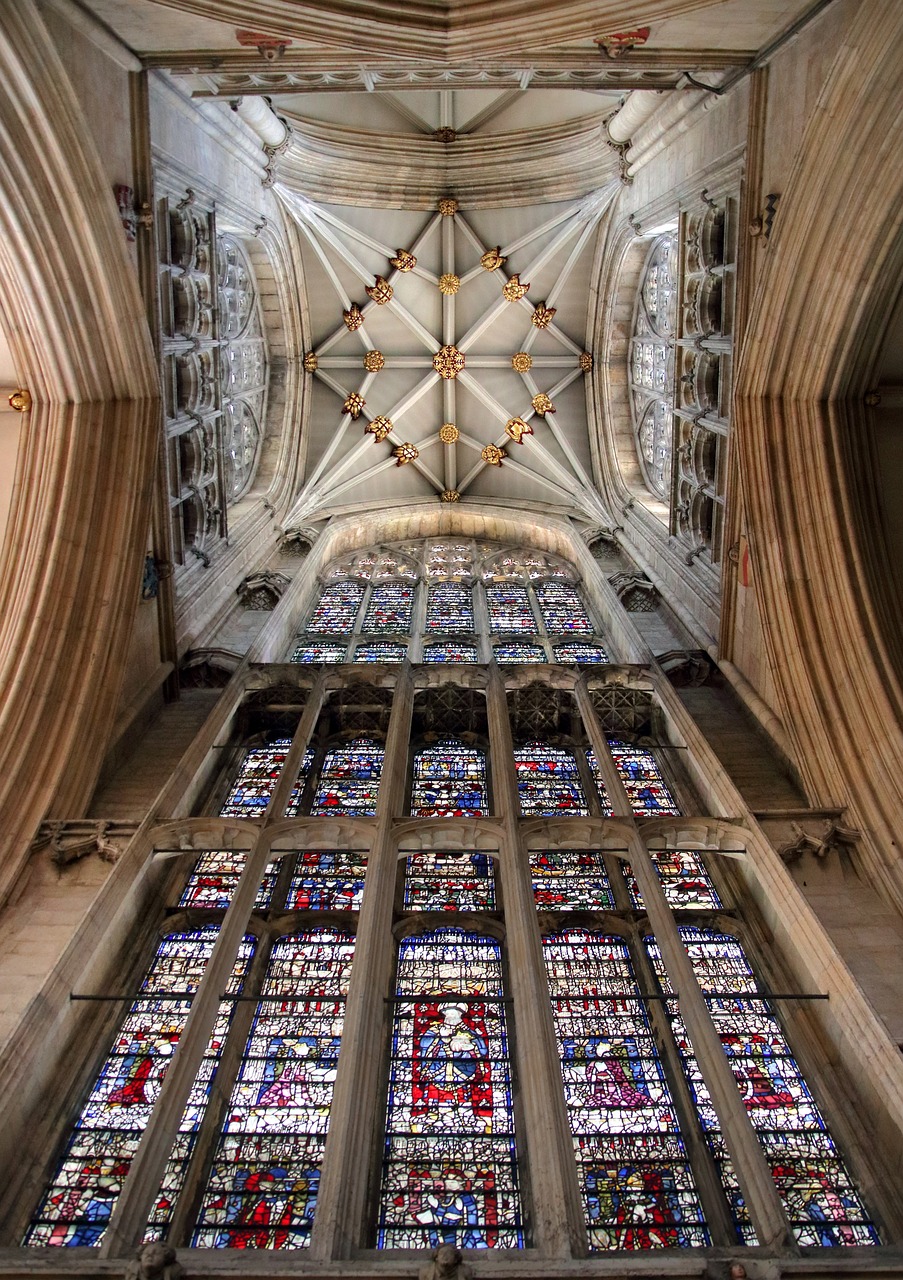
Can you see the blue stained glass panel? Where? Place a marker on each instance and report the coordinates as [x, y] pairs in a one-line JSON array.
[[349, 780], [258, 775], [638, 1187], [380, 651], [449, 608], [450, 1163], [318, 651], [548, 782], [450, 651], [328, 880], [77, 1206], [578, 652], [562, 608], [389, 609], [508, 654], [262, 1190], [449, 781], [571, 880], [453, 881], [509, 610], [337, 608], [685, 881], [646, 788]]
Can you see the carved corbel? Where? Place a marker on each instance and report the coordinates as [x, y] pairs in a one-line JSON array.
[[836, 839], [298, 540], [262, 590]]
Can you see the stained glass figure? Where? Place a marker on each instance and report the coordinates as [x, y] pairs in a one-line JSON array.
[[262, 1190], [380, 651], [684, 879], [450, 1165], [451, 881], [577, 652], [820, 1198], [77, 1206], [349, 780], [449, 560], [389, 610], [256, 780], [646, 789], [450, 651], [507, 655], [328, 880], [337, 609], [293, 808], [449, 608], [215, 878], [562, 608], [638, 1187], [318, 651], [449, 781], [548, 782], [509, 610], [571, 880]]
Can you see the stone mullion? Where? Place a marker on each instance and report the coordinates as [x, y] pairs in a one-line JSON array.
[[481, 621], [552, 1185], [418, 619], [542, 631], [611, 779], [358, 1099]]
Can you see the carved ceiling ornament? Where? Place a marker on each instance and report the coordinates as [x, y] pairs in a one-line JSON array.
[[353, 317], [493, 455], [381, 291], [311, 362], [450, 495], [448, 206], [542, 404], [543, 315], [522, 362], [379, 427], [513, 290], [449, 284], [492, 259], [445, 134], [620, 42], [403, 261], [374, 361], [354, 405], [516, 428], [448, 433], [406, 453], [448, 361], [586, 361]]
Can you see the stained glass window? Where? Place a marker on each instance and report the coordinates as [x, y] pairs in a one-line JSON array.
[[450, 1164], [449, 607], [646, 788], [449, 781], [684, 879], [256, 780], [380, 651], [580, 653], [328, 880], [820, 1199], [651, 365], [449, 651], [77, 1206], [293, 808], [562, 608], [337, 608], [509, 610], [349, 780], [571, 880], [548, 782], [452, 881], [389, 609], [322, 651], [509, 654], [215, 878], [262, 1190], [638, 1188]]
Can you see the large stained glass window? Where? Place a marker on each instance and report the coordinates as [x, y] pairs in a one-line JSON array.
[[453, 881], [684, 879], [571, 880], [821, 1201], [327, 880], [296, 799], [349, 780], [318, 651], [76, 1207], [507, 655], [638, 1188], [337, 609], [215, 878], [449, 781], [257, 777], [562, 608], [578, 652], [548, 782], [380, 651], [450, 1164], [646, 789], [450, 651], [509, 610], [449, 608], [389, 609], [262, 1190]]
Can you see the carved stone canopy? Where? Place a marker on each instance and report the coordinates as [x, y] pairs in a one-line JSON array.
[[262, 590]]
